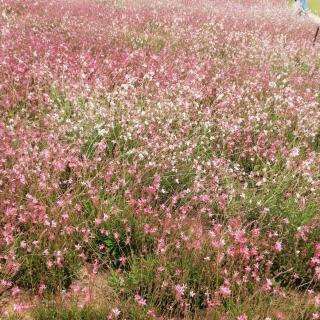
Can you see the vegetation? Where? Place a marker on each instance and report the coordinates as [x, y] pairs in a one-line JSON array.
[[158, 160]]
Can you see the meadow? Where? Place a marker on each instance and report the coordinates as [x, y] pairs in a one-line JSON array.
[[158, 160]]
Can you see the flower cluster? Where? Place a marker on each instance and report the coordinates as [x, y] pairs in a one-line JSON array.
[[175, 146]]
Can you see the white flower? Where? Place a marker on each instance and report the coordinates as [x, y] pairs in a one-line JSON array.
[[295, 152], [116, 312], [102, 132]]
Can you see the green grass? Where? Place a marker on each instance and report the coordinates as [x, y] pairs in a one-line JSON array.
[[314, 6], [56, 312]]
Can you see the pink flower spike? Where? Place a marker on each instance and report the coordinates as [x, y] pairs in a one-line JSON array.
[[141, 301]]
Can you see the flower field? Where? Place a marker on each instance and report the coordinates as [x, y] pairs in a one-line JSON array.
[[158, 160]]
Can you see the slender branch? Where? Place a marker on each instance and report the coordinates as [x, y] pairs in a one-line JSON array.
[[315, 36]]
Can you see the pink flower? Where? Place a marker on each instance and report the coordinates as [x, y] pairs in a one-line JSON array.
[[180, 289], [242, 317], [42, 288], [49, 264], [75, 288], [225, 291], [23, 244], [15, 291], [141, 301], [268, 285], [116, 236], [21, 307], [278, 246]]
